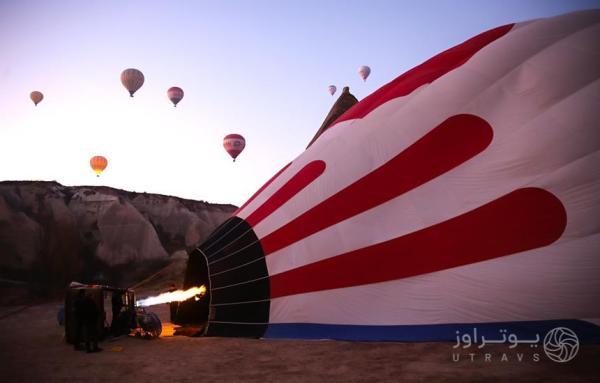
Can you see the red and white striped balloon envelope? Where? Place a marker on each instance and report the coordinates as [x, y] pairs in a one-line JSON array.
[[463, 194]]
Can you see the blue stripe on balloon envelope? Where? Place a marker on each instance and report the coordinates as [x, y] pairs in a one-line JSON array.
[[524, 330]]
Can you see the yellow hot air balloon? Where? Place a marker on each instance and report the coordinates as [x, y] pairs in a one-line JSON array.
[[36, 97], [132, 80], [98, 164]]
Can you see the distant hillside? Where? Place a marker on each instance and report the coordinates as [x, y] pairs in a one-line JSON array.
[[51, 234]]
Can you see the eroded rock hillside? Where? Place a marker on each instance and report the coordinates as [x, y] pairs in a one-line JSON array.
[[51, 234]]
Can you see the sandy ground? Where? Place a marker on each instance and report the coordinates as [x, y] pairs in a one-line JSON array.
[[32, 350]]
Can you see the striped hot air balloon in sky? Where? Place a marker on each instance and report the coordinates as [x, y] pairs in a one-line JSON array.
[[234, 144], [132, 80], [465, 192], [98, 164], [175, 94]]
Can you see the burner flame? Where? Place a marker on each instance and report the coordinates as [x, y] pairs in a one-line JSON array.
[[173, 296]]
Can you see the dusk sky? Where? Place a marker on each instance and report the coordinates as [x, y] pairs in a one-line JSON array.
[[257, 68]]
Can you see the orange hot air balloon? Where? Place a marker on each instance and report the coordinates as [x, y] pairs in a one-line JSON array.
[[234, 144], [36, 97], [132, 80], [175, 95], [98, 164]]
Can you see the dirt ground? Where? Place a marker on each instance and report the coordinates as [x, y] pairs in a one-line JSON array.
[[32, 350]]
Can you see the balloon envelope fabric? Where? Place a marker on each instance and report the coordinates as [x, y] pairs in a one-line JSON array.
[[464, 193]]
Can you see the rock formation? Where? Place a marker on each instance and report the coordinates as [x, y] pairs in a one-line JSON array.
[[51, 234]]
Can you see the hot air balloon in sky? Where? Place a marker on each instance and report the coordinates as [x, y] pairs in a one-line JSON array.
[[234, 144], [98, 164], [175, 94], [463, 194], [132, 80], [364, 72], [332, 89], [36, 97]]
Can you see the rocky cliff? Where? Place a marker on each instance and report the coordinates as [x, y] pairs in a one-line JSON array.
[[51, 234]]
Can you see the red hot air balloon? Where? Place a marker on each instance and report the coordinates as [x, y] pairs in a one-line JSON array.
[[175, 94], [98, 164], [132, 80], [36, 97], [234, 144]]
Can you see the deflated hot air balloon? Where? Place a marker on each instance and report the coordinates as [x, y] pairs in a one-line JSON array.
[[132, 80], [332, 89], [98, 164], [36, 97], [234, 144], [364, 72], [461, 197], [175, 94]]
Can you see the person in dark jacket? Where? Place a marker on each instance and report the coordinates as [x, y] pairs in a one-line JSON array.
[[79, 311], [116, 327], [91, 315]]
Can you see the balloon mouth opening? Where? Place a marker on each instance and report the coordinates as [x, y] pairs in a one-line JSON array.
[[197, 272]]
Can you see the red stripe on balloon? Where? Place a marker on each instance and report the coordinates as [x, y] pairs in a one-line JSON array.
[[262, 188], [447, 146], [522, 220], [425, 73], [299, 181]]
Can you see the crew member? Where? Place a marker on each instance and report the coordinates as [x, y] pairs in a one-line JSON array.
[[90, 321], [79, 314], [117, 304]]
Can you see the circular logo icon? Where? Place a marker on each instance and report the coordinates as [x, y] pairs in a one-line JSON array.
[[561, 344]]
